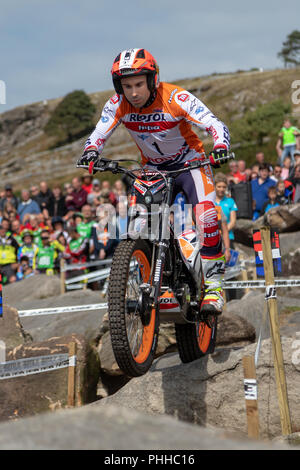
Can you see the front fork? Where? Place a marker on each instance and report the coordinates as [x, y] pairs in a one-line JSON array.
[[163, 246]]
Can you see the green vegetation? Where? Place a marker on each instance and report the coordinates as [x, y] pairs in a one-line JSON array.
[[259, 128], [72, 118]]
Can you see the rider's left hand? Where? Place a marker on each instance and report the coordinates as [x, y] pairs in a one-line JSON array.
[[219, 151]]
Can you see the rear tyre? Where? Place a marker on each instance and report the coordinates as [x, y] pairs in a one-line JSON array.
[[133, 343], [195, 340]]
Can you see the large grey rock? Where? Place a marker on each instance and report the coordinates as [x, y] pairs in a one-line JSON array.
[[117, 428], [210, 391], [32, 394], [253, 308]]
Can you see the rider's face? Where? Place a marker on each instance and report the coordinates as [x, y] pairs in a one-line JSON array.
[[136, 90]]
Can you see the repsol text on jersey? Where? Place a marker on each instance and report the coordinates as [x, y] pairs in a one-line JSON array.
[[154, 117]]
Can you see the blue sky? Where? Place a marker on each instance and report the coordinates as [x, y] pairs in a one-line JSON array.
[[51, 47]]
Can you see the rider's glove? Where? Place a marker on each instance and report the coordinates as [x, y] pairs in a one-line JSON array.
[[219, 151], [88, 157]]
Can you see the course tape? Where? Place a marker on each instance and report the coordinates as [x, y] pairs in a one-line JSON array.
[[33, 365], [260, 284], [58, 310]]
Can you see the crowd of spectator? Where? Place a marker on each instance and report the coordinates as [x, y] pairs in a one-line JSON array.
[[45, 225]]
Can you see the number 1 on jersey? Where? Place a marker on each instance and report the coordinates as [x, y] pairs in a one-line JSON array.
[[157, 148]]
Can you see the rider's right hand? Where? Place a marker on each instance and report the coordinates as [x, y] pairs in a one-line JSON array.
[[88, 157]]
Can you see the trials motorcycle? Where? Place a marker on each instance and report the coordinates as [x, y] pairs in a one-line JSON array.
[[156, 273]]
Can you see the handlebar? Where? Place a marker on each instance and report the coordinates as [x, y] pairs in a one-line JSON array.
[[106, 164]]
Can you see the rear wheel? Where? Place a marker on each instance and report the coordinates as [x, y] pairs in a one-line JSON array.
[[195, 340], [133, 339]]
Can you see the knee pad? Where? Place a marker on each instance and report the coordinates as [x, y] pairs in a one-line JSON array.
[[208, 229]]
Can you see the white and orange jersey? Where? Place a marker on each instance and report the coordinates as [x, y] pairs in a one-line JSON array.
[[162, 131]]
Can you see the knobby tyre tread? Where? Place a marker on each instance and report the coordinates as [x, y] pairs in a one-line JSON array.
[[117, 309], [188, 345]]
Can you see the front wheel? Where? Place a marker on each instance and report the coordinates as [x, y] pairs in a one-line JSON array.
[[133, 340], [195, 340]]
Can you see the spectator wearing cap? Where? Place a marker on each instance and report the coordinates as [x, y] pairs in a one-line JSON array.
[[9, 197], [27, 205], [27, 248], [96, 191], [45, 260], [260, 188], [78, 196]]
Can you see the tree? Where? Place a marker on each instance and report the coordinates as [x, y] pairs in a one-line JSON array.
[[290, 52], [72, 118]]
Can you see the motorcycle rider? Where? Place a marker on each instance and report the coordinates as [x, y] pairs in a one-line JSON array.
[[158, 116]]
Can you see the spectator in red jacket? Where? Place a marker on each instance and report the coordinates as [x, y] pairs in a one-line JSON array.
[[78, 197]]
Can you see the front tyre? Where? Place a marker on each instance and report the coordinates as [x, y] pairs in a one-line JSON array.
[[133, 342]]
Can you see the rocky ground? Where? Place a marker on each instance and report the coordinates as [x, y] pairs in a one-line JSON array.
[[174, 406]]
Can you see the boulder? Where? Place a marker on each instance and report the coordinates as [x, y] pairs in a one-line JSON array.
[[119, 429], [40, 392], [33, 288], [253, 308], [11, 330], [232, 330], [210, 391]]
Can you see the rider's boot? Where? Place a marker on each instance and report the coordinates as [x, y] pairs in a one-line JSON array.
[[213, 272], [213, 260]]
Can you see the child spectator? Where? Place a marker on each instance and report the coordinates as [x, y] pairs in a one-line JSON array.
[[283, 192], [286, 168], [226, 203], [271, 202], [24, 270]]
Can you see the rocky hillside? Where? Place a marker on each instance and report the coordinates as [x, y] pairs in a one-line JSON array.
[[28, 155]]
